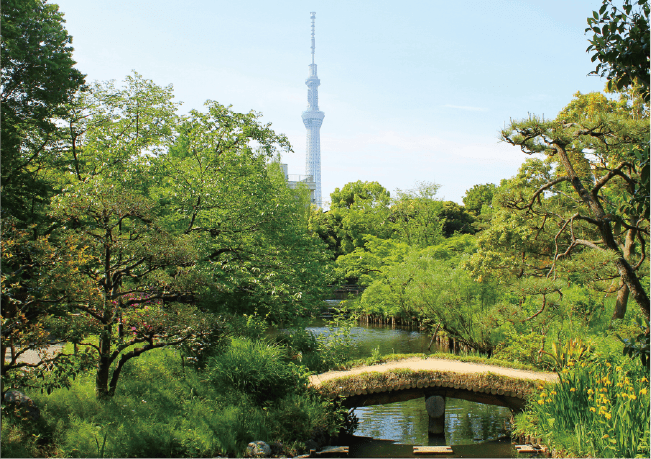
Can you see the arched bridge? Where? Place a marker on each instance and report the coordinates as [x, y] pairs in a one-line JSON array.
[[434, 379]]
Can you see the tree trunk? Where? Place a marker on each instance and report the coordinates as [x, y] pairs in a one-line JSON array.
[[622, 294], [626, 271], [620, 303], [103, 364]]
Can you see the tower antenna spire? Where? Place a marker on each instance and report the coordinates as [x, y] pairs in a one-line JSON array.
[[313, 118], [313, 17]]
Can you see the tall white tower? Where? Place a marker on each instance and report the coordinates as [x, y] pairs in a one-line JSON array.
[[313, 118]]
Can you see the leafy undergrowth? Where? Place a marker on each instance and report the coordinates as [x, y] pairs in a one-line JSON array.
[[600, 408], [162, 409]]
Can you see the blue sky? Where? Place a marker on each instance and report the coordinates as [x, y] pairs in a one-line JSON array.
[[412, 91]]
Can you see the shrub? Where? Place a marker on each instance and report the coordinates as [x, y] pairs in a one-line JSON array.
[[247, 326], [258, 368], [298, 341], [521, 348]]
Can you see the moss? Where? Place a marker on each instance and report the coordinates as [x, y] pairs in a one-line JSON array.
[[399, 378]]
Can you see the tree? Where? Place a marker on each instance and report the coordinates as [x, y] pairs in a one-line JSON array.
[[456, 219], [359, 194], [416, 215], [479, 196], [358, 209], [252, 228], [135, 288], [429, 283], [33, 317], [183, 219], [38, 78], [590, 186], [620, 43]]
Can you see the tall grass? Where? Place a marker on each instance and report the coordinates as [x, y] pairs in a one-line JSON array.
[[598, 409], [164, 410], [258, 368]]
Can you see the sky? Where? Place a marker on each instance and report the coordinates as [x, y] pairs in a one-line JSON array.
[[413, 91]]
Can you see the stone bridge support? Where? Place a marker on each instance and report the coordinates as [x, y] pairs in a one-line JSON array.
[[435, 406]]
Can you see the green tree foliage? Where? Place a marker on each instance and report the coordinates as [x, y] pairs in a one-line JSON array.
[[135, 286], [620, 42], [455, 219], [572, 210], [33, 318], [38, 78], [359, 195], [358, 209], [164, 221], [364, 264], [258, 255], [429, 283], [416, 216], [479, 196]]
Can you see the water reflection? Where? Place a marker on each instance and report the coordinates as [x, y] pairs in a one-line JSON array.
[[388, 340], [406, 422], [474, 429]]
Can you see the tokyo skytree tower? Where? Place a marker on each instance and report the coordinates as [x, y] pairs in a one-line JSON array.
[[313, 118]]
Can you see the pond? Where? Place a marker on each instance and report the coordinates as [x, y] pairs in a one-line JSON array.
[[472, 429]]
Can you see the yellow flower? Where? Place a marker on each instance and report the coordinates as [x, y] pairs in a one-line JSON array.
[[643, 391], [592, 408], [570, 363], [572, 389], [543, 395], [618, 368], [541, 402], [608, 415], [590, 392], [619, 384], [552, 392], [605, 436], [540, 387], [644, 380], [608, 364], [632, 397], [630, 388], [549, 400]]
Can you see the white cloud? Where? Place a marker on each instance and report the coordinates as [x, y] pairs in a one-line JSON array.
[[466, 108]]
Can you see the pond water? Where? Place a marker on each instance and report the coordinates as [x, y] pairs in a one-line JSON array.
[[366, 338], [472, 429]]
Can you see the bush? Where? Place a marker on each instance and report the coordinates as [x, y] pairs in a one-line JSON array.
[[521, 348], [298, 341], [247, 326], [258, 368]]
